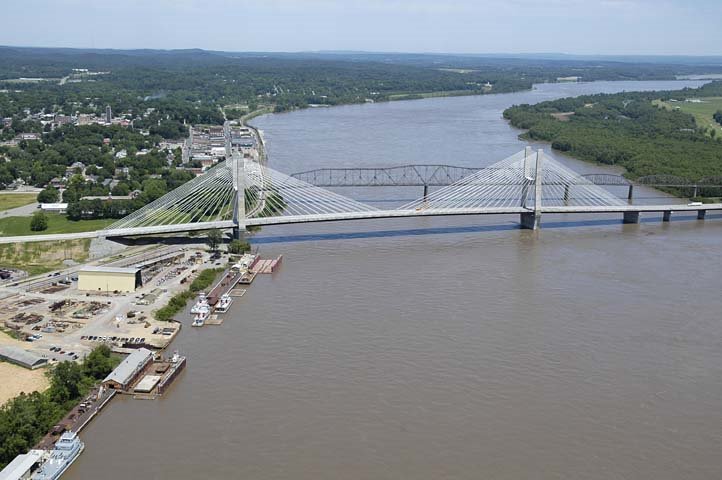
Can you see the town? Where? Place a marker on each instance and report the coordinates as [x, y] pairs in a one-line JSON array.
[[123, 300]]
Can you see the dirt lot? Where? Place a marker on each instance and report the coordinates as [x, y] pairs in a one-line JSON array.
[[15, 379]]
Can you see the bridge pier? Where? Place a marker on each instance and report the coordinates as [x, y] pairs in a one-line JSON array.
[[630, 217], [630, 192], [530, 220], [701, 214], [667, 215], [239, 233], [566, 194]]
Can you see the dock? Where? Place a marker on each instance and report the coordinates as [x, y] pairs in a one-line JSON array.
[[79, 417], [224, 285], [214, 319], [246, 278], [156, 377]]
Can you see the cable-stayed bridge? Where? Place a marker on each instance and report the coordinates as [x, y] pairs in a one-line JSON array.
[[240, 193]]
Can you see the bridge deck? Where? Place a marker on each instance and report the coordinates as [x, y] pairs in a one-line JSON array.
[[332, 217]]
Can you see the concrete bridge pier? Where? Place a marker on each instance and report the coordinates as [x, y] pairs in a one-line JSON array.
[[239, 233], [630, 217], [666, 215], [530, 220], [701, 214]]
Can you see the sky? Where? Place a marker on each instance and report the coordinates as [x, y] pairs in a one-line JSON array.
[[644, 27]]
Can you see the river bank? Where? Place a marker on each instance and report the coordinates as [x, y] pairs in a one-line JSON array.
[[630, 130]]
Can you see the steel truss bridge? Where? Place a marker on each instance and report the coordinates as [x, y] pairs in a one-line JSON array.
[[239, 193], [434, 175]]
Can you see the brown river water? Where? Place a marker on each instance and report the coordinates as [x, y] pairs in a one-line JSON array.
[[447, 348]]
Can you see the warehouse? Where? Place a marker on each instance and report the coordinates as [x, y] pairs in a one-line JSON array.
[[109, 279], [23, 466], [21, 357], [128, 370]]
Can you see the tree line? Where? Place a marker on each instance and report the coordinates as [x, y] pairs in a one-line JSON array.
[[627, 129], [25, 419]]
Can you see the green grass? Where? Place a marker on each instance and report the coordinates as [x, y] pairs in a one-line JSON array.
[[13, 200], [14, 226], [40, 257], [702, 112]]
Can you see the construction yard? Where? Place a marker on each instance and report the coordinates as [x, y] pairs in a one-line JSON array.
[[49, 317]]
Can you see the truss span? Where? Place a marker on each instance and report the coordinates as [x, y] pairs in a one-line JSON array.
[[400, 176]]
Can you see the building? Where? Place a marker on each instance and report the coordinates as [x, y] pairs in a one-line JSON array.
[[54, 207], [109, 279], [122, 377], [21, 357], [23, 466]]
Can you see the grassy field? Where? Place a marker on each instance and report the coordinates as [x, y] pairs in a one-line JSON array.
[[12, 200], [702, 112], [12, 226], [40, 257]]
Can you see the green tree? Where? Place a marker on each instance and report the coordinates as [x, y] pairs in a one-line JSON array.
[[154, 188], [237, 247], [66, 380], [39, 222], [74, 211], [49, 195], [98, 363], [214, 239]]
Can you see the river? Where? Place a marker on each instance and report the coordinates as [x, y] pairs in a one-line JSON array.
[[459, 348]]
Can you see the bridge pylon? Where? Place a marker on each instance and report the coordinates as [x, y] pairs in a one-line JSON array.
[[531, 220], [239, 206]]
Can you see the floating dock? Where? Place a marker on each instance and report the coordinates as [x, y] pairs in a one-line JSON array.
[[214, 319], [157, 377]]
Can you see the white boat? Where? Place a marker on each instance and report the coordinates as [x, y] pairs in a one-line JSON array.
[[224, 303], [200, 318], [66, 450], [200, 304]]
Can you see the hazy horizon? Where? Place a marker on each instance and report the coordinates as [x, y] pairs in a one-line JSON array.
[[490, 27]]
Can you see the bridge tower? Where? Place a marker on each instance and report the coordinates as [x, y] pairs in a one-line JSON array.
[[532, 219], [239, 184]]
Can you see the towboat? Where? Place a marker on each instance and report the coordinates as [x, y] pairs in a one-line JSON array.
[[224, 303], [201, 304], [199, 319]]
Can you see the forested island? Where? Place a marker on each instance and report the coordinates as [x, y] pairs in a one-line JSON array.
[[647, 133]]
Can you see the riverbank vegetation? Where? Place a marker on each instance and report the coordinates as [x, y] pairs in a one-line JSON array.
[[26, 418], [178, 301], [629, 129]]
